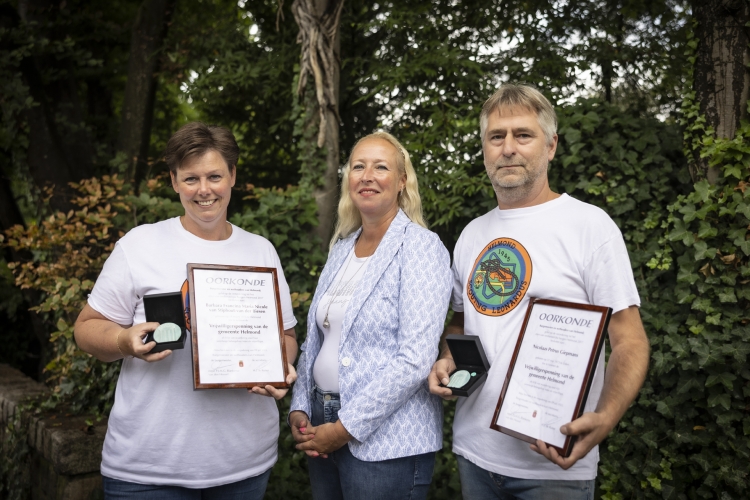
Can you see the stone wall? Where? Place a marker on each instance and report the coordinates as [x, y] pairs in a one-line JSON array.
[[65, 451]]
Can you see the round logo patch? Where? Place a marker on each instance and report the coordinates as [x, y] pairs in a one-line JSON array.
[[500, 277]]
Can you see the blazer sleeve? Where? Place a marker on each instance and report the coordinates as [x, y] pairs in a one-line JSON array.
[[301, 389], [425, 288]]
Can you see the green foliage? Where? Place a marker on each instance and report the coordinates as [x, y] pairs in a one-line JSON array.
[[235, 62], [67, 252], [687, 435], [631, 167], [70, 57], [311, 158], [435, 64], [285, 217]]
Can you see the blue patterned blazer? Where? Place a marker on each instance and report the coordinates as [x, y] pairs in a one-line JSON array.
[[389, 341]]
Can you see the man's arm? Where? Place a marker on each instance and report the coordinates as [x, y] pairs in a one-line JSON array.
[[444, 365], [626, 371]]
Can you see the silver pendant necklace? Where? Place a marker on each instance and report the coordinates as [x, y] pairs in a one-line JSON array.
[[326, 323]]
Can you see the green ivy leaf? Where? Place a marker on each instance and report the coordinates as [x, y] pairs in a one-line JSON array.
[[721, 398], [707, 230], [655, 482], [733, 170], [737, 350], [702, 461], [665, 408], [688, 211], [650, 439], [687, 384], [721, 378], [703, 189], [679, 231], [714, 319], [727, 295]]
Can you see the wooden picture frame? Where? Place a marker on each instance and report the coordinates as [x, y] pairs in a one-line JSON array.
[[548, 373], [240, 341]]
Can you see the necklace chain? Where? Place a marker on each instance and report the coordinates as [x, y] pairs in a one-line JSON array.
[[326, 323]]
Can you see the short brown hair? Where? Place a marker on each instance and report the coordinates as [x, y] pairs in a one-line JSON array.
[[196, 139], [524, 96]]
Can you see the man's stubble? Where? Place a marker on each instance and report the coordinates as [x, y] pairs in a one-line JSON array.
[[518, 187]]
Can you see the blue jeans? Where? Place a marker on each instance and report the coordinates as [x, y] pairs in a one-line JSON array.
[[252, 488], [343, 476], [480, 484]]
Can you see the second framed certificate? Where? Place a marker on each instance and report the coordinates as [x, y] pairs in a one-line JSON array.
[[237, 329], [551, 371]]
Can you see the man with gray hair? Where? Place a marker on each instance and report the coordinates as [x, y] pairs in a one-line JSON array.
[[577, 254]]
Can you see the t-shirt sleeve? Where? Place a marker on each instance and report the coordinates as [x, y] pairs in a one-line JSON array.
[[287, 314], [114, 292], [608, 277]]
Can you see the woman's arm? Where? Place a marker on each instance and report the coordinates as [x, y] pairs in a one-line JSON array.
[[108, 341]]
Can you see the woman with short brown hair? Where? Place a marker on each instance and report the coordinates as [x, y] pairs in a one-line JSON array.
[[165, 440]]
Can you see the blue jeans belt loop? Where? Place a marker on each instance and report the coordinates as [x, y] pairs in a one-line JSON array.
[[325, 395], [329, 403]]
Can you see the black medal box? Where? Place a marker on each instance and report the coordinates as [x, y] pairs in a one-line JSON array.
[[165, 308], [468, 355]]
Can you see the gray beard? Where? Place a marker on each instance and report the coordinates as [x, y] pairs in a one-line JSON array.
[[518, 189]]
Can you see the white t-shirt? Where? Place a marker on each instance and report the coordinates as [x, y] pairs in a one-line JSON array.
[[563, 249], [334, 304], [160, 430]]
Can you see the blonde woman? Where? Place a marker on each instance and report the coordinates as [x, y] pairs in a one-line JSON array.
[[361, 407]]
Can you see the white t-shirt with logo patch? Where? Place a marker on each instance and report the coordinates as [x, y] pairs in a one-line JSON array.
[[160, 430], [563, 249]]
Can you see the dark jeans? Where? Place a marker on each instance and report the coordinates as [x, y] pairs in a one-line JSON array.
[[481, 484], [252, 488], [343, 476]]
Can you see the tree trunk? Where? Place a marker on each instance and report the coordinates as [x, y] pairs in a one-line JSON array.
[[721, 77], [60, 146], [318, 21], [149, 33]]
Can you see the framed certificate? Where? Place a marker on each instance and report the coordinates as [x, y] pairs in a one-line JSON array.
[[237, 330], [550, 374]]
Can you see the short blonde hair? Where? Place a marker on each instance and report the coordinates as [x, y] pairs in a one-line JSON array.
[[510, 96], [349, 218]]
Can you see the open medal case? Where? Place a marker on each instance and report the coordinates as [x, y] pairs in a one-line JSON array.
[[469, 356], [166, 308]]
